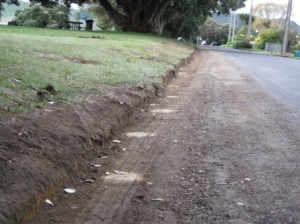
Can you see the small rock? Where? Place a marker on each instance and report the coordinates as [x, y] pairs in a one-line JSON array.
[[49, 202], [70, 190], [157, 199]]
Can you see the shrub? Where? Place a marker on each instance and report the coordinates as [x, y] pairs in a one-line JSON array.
[[230, 44], [239, 37], [39, 16], [243, 45], [268, 35], [296, 47]]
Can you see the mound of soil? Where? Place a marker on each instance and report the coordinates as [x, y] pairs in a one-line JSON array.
[[40, 151]]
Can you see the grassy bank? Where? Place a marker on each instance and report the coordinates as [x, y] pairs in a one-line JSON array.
[[73, 64]]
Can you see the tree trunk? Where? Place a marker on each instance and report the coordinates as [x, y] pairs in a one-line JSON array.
[[138, 15]]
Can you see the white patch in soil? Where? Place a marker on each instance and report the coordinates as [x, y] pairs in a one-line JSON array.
[[140, 134], [233, 83], [163, 111], [172, 97], [115, 178]]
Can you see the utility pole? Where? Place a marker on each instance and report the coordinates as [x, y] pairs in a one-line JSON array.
[[233, 28], [250, 22], [230, 27], [287, 28]]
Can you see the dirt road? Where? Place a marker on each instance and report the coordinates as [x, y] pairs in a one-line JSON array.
[[214, 149]]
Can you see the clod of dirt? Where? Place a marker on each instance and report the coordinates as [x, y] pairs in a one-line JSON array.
[[44, 93], [50, 89], [84, 61], [93, 37], [157, 199]]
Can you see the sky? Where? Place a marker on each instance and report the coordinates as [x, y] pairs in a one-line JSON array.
[[295, 13]]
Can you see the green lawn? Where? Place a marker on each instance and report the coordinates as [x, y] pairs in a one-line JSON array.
[[76, 63]]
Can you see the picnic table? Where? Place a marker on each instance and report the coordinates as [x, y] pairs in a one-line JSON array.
[[74, 25]]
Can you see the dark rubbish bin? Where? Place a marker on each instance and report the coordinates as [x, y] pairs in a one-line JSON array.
[[89, 24]]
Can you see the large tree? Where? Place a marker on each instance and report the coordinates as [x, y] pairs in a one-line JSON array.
[[153, 15], [270, 10], [186, 16]]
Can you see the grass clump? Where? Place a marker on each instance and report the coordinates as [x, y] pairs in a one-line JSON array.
[[76, 63]]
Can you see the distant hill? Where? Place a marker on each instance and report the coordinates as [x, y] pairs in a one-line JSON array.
[[225, 19], [295, 26], [9, 11]]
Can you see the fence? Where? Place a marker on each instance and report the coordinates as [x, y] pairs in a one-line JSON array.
[[271, 47]]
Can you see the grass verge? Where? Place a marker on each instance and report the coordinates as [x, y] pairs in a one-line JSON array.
[[39, 66]]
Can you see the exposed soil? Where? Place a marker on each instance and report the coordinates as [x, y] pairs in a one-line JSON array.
[[40, 152], [214, 148]]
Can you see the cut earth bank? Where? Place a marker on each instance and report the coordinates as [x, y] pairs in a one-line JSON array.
[[41, 151]]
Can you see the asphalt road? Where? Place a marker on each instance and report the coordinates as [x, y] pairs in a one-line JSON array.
[[278, 75]]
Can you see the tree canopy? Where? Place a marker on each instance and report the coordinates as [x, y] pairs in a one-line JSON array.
[[176, 17], [270, 10], [155, 15]]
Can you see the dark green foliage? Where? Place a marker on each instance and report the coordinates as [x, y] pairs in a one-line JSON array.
[[296, 47], [177, 17], [245, 18], [239, 37], [267, 35], [39, 16], [242, 45], [213, 32]]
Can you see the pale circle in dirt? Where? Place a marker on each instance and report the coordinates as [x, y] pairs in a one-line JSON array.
[[140, 134], [163, 111], [122, 179]]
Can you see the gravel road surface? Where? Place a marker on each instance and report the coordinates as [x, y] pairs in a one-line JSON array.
[[218, 147]]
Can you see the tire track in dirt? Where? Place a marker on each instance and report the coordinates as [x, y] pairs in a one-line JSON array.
[[140, 155], [226, 154]]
